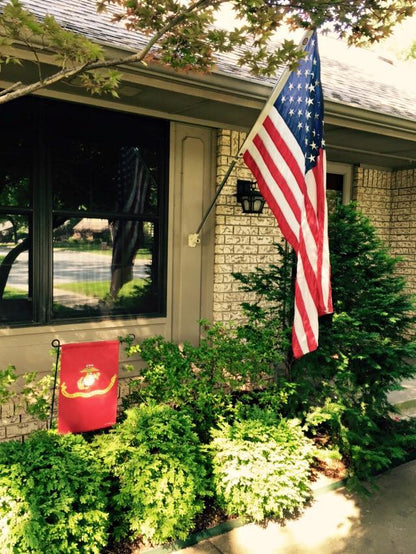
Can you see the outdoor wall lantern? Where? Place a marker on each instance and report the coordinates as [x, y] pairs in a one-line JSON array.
[[250, 199]]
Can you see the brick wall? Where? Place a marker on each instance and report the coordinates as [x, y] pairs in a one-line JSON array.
[[15, 424], [242, 241], [388, 198], [372, 190], [403, 224]]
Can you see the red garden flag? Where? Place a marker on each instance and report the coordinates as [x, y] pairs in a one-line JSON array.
[[285, 152], [88, 386]]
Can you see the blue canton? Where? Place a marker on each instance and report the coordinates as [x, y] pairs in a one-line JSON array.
[[301, 104]]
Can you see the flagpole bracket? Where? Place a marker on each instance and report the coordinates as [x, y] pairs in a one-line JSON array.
[[193, 240]]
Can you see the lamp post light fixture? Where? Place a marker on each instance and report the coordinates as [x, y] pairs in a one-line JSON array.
[[252, 202]]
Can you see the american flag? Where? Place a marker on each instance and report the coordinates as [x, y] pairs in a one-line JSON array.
[[286, 153]]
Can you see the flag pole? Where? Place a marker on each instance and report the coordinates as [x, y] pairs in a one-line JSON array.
[[193, 238], [275, 93]]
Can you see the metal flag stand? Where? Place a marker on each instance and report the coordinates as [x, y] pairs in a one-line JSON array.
[[56, 343]]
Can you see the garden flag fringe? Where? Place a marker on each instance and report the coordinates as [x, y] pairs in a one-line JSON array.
[[285, 151], [88, 386]]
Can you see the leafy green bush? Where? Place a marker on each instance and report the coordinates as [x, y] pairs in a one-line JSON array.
[[155, 456], [201, 379], [365, 348], [29, 392], [261, 466], [52, 496]]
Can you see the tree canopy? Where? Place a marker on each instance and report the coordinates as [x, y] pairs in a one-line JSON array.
[[185, 35]]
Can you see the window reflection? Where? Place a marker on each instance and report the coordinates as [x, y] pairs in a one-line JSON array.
[[93, 171], [15, 263], [86, 279], [83, 195]]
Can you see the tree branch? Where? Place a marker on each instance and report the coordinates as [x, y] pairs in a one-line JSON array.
[[18, 89], [6, 264], [33, 87], [173, 22], [12, 87]]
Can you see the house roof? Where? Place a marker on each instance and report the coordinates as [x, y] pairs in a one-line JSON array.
[[93, 225], [350, 75], [364, 92]]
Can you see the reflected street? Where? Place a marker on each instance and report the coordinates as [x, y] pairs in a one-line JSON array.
[[71, 266]]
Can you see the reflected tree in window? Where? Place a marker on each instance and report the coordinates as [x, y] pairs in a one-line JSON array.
[[134, 182], [14, 226]]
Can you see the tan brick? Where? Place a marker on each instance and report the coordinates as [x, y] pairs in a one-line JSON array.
[[7, 410], [224, 210], [223, 249], [20, 429], [248, 231], [221, 287], [123, 387], [10, 420], [262, 239], [238, 239], [246, 249]]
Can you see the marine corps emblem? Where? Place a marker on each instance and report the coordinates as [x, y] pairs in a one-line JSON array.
[[92, 374]]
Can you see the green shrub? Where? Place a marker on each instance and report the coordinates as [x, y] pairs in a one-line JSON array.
[[365, 348], [29, 392], [52, 496], [154, 454], [261, 466], [201, 379]]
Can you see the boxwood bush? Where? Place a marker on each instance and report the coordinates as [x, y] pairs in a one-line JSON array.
[[155, 456], [52, 496], [261, 466]]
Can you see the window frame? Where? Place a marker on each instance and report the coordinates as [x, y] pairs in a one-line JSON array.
[[42, 213], [346, 171]]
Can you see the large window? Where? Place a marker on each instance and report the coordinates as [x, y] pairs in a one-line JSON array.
[[82, 213]]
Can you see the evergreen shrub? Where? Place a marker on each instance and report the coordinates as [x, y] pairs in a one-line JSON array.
[[261, 466], [366, 348], [155, 457], [53, 496]]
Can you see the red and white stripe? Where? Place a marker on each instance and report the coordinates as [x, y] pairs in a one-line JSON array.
[[299, 204]]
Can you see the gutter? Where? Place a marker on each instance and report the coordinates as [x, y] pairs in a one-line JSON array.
[[250, 95]]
